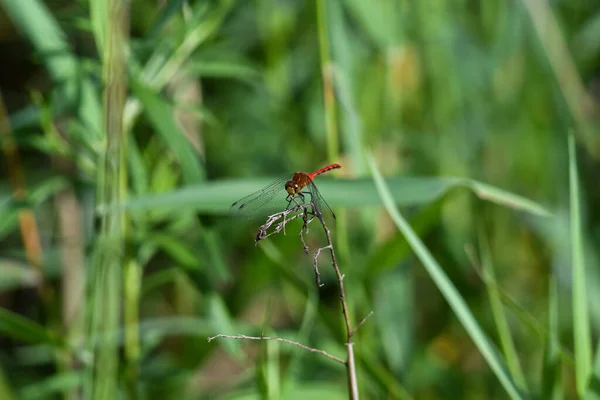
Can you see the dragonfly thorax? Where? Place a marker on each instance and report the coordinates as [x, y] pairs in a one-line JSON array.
[[297, 183]]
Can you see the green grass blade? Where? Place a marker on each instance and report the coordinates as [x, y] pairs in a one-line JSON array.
[[217, 196], [594, 387], [551, 373], [6, 392], [504, 334], [231, 69], [23, 329], [38, 25], [581, 323], [166, 14], [447, 288], [160, 114], [55, 384]]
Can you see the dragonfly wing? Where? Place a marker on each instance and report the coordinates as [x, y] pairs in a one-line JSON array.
[[268, 200], [322, 206]]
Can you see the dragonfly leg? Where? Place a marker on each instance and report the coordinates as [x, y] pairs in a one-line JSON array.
[[315, 211], [292, 199]]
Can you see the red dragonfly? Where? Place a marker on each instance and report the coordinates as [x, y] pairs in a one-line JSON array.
[[284, 193]]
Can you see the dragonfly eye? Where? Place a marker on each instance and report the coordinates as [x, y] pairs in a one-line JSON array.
[[289, 187]]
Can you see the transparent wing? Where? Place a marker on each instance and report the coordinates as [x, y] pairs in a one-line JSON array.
[[264, 202], [322, 206]]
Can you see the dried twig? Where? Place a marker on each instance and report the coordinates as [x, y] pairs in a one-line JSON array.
[[350, 364], [362, 321], [312, 350], [281, 219], [276, 223]]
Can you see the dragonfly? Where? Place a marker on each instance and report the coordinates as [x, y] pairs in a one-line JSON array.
[[285, 193]]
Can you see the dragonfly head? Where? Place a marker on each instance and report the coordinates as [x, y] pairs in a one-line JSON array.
[[292, 187]]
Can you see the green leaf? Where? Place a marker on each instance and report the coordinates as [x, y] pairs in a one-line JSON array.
[[48, 388], [23, 329], [176, 249], [581, 322], [38, 25], [222, 322], [6, 392], [160, 114], [551, 368], [167, 12], [38, 193], [502, 326], [217, 196], [447, 288]]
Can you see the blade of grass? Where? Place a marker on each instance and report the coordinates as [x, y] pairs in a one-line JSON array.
[[504, 334], [23, 329], [55, 384], [6, 391], [447, 288], [217, 196], [551, 375], [581, 323], [564, 69], [327, 82], [160, 114], [39, 26], [165, 15], [594, 387], [203, 28]]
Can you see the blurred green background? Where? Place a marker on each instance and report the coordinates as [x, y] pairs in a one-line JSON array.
[[465, 107]]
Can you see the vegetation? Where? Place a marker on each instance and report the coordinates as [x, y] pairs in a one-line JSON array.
[[468, 137]]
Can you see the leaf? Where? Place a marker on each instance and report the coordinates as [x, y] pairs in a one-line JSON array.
[[551, 368], [176, 249], [160, 114], [447, 288], [581, 323], [23, 329], [217, 196], [56, 384]]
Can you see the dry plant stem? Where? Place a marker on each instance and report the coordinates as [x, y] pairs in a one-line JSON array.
[[362, 321], [316, 264], [312, 350], [277, 222], [350, 364]]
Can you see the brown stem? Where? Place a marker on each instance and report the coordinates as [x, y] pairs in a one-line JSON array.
[[313, 350], [276, 223], [350, 363]]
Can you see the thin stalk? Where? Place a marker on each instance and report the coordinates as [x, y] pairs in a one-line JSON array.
[[302, 346], [328, 87], [350, 362], [108, 261]]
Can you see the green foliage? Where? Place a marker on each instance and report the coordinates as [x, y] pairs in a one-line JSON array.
[[417, 100]]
